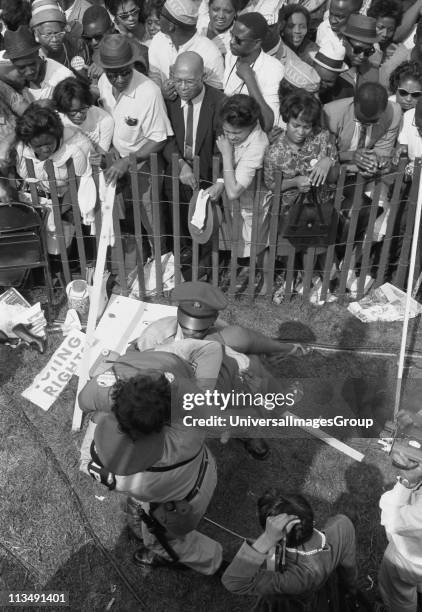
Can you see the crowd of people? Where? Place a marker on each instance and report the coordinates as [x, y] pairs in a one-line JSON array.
[[299, 89]]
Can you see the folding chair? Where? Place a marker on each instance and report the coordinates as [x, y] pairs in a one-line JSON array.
[[22, 246]]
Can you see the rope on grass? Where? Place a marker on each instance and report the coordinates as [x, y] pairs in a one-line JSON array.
[[27, 566], [76, 501]]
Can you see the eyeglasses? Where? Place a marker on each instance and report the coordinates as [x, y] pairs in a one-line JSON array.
[[188, 82], [56, 35], [80, 111], [414, 94], [125, 16], [97, 37], [113, 76], [359, 50]]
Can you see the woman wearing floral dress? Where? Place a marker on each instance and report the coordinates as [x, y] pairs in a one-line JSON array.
[[304, 152]]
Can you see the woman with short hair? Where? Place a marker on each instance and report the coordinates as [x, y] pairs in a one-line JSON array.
[[39, 135], [406, 85], [292, 566], [73, 100], [242, 146]]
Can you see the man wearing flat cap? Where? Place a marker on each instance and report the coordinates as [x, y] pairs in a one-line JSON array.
[[178, 34], [40, 75], [197, 314]]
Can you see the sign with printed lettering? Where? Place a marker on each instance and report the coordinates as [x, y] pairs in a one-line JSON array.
[[51, 381]]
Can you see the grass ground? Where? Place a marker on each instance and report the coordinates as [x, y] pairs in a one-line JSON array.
[[62, 531]]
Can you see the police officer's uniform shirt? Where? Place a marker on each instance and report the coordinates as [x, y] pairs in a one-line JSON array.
[[139, 113]]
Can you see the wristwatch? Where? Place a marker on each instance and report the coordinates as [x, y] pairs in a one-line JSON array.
[[407, 484]]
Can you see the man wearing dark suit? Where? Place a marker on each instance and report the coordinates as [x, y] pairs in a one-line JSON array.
[[194, 118]]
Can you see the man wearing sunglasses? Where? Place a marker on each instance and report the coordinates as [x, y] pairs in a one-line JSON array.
[[359, 36]]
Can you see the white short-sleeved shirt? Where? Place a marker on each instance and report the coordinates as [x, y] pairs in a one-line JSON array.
[[98, 127], [139, 113], [268, 73], [55, 72], [162, 54], [327, 39], [409, 135]]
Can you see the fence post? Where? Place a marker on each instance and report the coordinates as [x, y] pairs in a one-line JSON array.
[[216, 235], [354, 214], [175, 196], [155, 203], [274, 212], [73, 190], [329, 258], [137, 203], [58, 222], [254, 236], [195, 245]]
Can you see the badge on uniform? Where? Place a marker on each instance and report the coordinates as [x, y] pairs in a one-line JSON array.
[[106, 380], [132, 121]]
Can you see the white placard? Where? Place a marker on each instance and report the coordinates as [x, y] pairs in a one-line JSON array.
[[53, 378]]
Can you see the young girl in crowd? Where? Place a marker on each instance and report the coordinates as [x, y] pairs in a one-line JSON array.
[[217, 23]]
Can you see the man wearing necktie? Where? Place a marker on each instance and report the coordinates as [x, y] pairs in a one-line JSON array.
[[194, 118]]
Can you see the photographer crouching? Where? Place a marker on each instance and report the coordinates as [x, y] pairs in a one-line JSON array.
[[305, 569]]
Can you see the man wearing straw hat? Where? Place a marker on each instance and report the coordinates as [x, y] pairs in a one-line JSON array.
[[328, 63]]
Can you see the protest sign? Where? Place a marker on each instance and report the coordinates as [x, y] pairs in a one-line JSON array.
[[51, 381]]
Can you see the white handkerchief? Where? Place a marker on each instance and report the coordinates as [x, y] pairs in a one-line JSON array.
[[198, 217]]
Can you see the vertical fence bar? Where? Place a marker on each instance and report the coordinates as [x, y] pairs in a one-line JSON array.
[[394, 206], [98, 216], [73, 190], [254, 236], [195, 245], [155, 201], [350, 246], [401, 272], [137, 203], [308, 268], [216, 234], [273, 212], [368, 240], [175, 197], [58, 222], [236, 228], [330, 255]]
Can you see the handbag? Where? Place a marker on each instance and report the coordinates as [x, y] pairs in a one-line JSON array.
[[312, 219]]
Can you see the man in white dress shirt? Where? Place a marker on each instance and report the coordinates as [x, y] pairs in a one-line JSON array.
[[251, 71], [178, 34], [141, 125], [329, 31]]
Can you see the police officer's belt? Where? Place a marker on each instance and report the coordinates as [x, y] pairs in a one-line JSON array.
[[101, 474]]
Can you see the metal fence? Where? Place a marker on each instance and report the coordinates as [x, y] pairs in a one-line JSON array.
[[360, 253]]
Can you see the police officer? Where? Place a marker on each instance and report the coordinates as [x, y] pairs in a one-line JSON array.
[[197, 317], [135, 445]]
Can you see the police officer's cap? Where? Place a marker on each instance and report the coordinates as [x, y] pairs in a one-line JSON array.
[[199, 304]]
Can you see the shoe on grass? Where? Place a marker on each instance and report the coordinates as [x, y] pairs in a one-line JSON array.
[[146, 558]]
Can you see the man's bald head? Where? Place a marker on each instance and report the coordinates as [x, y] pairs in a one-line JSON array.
[[190, 61], [371, 100], [188, 75]]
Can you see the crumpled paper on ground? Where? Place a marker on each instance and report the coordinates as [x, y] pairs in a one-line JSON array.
[[386, 303]]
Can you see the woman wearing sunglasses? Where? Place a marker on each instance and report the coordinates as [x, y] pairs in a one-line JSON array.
[[406, 85], [127, 17], [292, 566]]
